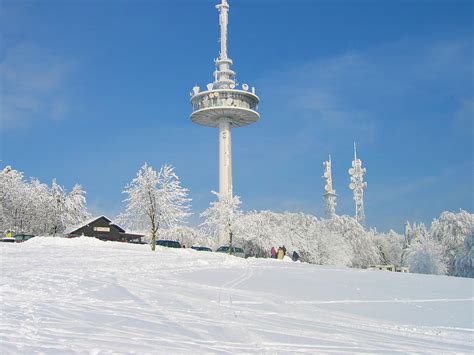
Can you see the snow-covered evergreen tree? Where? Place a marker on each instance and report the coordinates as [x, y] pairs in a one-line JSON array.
[[155, 200]]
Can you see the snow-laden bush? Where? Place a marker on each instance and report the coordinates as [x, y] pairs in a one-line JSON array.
[[464, 265]]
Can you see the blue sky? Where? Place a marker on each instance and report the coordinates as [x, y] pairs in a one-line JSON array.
[[93, 89]]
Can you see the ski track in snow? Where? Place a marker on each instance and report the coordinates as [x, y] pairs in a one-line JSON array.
[[63, 296]]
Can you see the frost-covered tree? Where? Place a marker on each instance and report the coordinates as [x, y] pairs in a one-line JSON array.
[[391, 247], [220, 217], [57, 207], [75, 206], [259, 231], [155, 200], [327, 247], [413, 234], [32, 207], [65, 209], [12, 192], [362, 242], [450, 230], [175, 200], [464, 265], [425, 256], [40, 208]]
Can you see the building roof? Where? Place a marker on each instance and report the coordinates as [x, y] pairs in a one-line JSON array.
[[78, 226]]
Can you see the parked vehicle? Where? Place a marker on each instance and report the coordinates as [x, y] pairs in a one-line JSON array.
[[235, 251], [201, 248], [168, 243], [23, 237]]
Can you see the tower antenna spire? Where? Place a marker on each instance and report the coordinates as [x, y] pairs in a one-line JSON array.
[[223, 8]]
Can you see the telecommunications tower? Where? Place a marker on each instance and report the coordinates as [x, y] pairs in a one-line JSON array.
[[330, 194], [224, 106], [358, 185]]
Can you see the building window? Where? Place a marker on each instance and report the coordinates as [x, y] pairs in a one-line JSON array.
[[102, 229]]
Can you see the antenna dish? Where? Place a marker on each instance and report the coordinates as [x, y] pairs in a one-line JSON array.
[[232, 86], [245, 87], [352, 186], [327, 188], [351, 171]]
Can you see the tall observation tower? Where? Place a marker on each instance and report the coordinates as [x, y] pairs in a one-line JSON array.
[[224, 105]]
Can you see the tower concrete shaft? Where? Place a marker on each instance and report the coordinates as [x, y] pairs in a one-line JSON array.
[[225, 158], [224, 106]]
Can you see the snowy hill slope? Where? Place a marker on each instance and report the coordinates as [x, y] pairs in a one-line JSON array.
[[84, 295]]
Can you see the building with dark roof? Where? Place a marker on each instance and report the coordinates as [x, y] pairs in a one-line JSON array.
[[104, 229]]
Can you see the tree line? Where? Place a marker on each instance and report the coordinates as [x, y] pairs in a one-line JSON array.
[[34, 207], [158, 206]]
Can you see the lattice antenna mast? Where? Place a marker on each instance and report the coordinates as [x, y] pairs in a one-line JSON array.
[[358, 185], [330, 193]]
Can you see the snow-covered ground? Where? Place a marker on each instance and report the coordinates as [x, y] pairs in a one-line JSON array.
[[87, 296]]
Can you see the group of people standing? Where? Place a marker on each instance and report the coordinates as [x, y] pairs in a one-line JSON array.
[[278, 253], [281, 252]]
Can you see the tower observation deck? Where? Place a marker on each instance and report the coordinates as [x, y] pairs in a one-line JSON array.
[[224, 105]]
